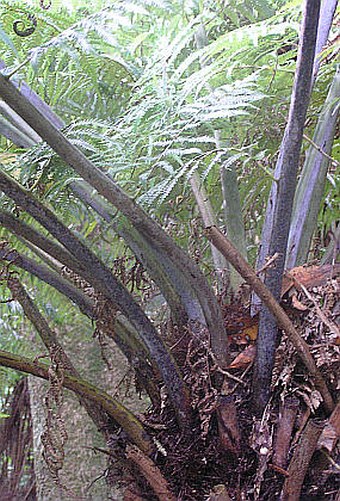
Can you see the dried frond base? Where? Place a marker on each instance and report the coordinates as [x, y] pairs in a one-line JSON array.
[[227, 447]]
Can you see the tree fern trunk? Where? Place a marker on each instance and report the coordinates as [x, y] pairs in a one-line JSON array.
[[280, 203], [327, 10]]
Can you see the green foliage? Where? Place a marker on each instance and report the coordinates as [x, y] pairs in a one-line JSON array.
[[11, 339], [144, 103], [129, 81]]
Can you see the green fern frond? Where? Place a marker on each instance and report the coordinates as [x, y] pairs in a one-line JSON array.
[[6, 39]]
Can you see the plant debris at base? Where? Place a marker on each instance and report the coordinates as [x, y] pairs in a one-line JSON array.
[[229, 453]]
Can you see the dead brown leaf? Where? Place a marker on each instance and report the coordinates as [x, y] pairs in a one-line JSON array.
[[245, 358]]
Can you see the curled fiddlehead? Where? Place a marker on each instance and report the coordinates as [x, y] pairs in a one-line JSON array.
[[44, 5], [20, 29]]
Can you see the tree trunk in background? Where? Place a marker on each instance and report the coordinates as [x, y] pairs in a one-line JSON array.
[[82, 464]]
